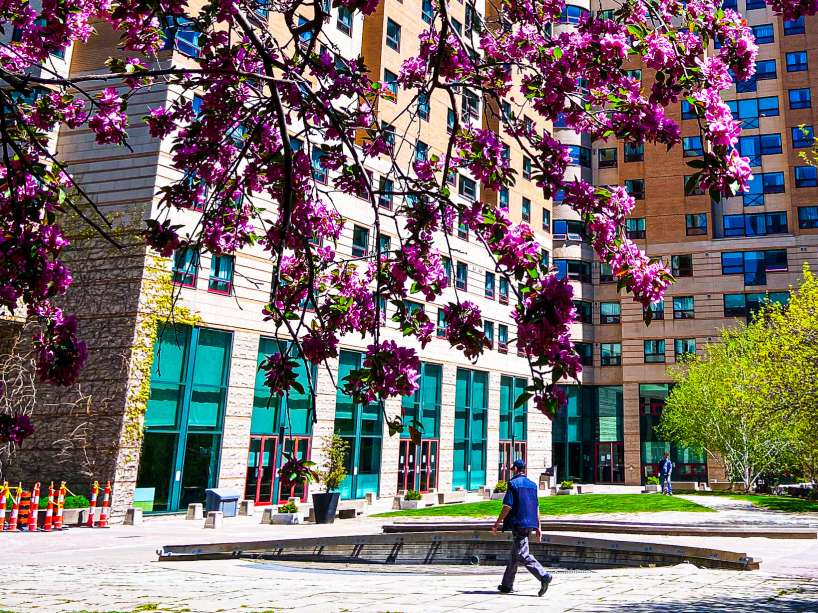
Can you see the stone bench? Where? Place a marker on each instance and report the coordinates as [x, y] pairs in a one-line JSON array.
[[357, 506], [724, 486], [685, 486], [451, 497], [585, 488], [348, 513]]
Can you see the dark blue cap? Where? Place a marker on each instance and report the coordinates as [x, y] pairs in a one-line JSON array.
[[519, 464]]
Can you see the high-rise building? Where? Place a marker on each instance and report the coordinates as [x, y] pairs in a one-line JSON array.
[[174, 413]]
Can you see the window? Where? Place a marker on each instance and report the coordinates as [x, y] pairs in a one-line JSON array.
[[754, 147], [392, 35], [654, 351], [797, 61], [461, 280], [683, 307], [696, 224], [802, 137], [634, 152], [502, 338], [754, 265], [634, 74], [569, 229], [692, 146], [488, 330], [181, 34], [808, 217], [360, 241], [451, 119], [745, 305], [526, 168], [472, 20], [636, 188], [610, 354], [684, 346], [605, 273], [344, 20], [421, 151], [635, 227], [688, 110], [471, 106], [796, 26], [503, 198], [490, 285], [762, 183], [467, 188], [681, 265], [306, 36], [585, 352], [384, 243], [692, 186], [756, 4], [806, 176], [755, 224], [385, 187], [572, 14], [391, 81], [427, 11], [424, 108], [185, 267], [748, 110], [458, 27], [584, 311], [580, 156], [574, 270], [319, 172], [221, 274], [441, 323], [388, 135], [764, 34], [503, 290], [462, 228], [765, 70], [546, 220], [526, 209], [800, 98], [657, 310], [447, 268], [606, 157], [609, 312]]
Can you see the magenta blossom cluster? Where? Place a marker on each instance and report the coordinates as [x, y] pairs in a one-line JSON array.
[[387, 370], [15, 428]]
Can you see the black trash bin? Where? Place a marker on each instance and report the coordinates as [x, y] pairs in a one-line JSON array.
[[220, 499]]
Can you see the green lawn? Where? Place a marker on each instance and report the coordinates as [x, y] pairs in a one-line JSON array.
[[775, 503], [563, 505]]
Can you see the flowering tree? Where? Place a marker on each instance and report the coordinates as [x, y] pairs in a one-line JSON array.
[[269, 100]]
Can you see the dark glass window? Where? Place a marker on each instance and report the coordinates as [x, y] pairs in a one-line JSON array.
[[681, 265], [797, 61], [696, 224], [800, 98]]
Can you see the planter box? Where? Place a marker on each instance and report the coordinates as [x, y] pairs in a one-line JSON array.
[[286, 518], [411, 504], [498, 495], [72, 517], [651, 489], [570, 492]]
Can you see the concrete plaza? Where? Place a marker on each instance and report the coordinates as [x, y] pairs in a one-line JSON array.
[[116, 570]]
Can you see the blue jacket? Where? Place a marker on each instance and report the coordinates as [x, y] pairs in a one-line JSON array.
[[665, 467], [522, 498]]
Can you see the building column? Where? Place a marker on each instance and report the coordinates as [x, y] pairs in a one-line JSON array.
[[539, 443], [493, 430], [324, 428], [238, 411], [445, 460], [390, 448], [633, 446]]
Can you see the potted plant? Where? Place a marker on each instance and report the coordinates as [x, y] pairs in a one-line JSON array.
[[326, 504], [499, 491], [287, 514], [651, 485], [411, 500], [566, 488], [74, 509]]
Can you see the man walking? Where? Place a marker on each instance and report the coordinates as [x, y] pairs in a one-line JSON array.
[[665, 470], [521, 515]]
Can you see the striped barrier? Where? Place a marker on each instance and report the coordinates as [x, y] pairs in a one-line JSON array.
[[93, 507], [19, 508], [49, 510], [4, 496], [35, 508], [15, 510], [25, 509], [106, 507], [59, 507]]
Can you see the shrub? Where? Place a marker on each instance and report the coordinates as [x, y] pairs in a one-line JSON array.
[[71, 502], [412, 495], [335, 467], [290, 507], [567, 485], [500, 487], [652, 480]]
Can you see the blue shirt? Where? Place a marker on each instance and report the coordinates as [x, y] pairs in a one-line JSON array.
[[521, 496], [665, 467]]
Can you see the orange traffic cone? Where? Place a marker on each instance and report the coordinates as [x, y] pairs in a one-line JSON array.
[[4, 495], [106, 504], [35, 508], [15, 509], [59, 507], [93, 508], [49, 510]]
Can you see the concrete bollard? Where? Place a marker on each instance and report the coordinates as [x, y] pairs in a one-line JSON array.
[[194, 511], [267, 515], [396, 503], [215, 519], [247, 507], [370, 498], [133, 517]]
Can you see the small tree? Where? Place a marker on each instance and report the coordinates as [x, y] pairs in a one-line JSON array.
[[335, 467]]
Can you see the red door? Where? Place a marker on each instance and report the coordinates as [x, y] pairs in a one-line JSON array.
[[261, 469], [417, 465]]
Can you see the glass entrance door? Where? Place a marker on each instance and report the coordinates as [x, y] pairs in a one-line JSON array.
[[470, 429], [417, 465], [261, 469], [510, 451], [610, 463]]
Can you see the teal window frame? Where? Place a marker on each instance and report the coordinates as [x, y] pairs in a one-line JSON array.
[[469, 468]]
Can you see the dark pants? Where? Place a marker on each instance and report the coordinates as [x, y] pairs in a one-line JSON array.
[[521, 555]]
